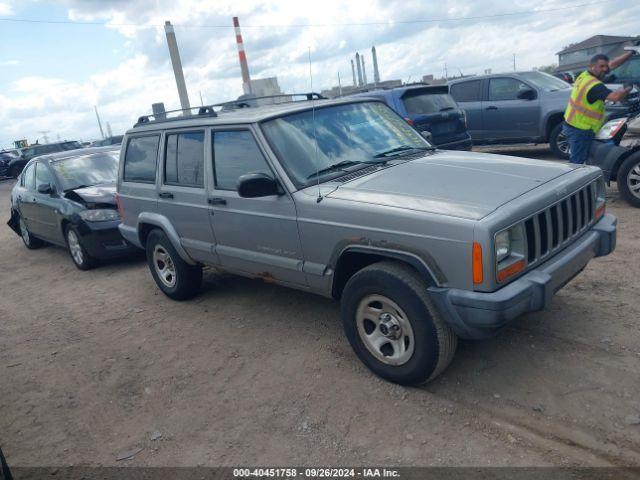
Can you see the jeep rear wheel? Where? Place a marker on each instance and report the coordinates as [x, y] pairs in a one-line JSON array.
[[559, 143], [629, 180], [393, 326], [175, 277]]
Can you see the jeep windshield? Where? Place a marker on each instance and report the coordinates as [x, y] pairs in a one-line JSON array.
[[349, 137]]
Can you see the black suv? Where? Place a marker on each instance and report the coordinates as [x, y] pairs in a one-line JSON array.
[[16, 165]]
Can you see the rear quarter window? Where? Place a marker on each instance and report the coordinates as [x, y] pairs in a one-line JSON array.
[[140, 159], [466, 91]]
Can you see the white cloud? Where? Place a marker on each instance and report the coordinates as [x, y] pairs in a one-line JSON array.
[[276, 47], [5, 9]]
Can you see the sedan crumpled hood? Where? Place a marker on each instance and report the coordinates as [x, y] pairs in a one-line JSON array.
[[461, 184], [99, 194]]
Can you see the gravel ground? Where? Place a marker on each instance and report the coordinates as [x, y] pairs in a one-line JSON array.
[[96, 366]]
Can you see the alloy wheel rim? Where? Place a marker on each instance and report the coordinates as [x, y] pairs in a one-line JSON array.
[[165, 268], [385, 330], [24, 233], [563, 143], [633, 180], [74, 247]]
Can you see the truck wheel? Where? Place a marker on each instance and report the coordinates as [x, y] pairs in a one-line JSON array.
[[79, 255], [29, 240], [393, 326], [629, 180], [175, 277], [559, 143]]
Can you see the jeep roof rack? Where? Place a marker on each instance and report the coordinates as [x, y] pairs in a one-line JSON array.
[[208, 110]]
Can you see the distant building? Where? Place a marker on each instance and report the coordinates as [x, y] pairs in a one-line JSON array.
[[347, 89], [575, 57]]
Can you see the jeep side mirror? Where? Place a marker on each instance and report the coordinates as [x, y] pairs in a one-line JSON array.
[[252, 185], [427, 135], [45, 189], [527, 95]]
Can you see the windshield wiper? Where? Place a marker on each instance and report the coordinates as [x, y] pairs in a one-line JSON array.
[[401, 150], [444, 109], [335, 166], [76, 188]]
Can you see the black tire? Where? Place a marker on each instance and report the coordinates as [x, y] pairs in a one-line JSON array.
[[434, 343], [629, 180], [559, 143], [77, 251], [29, 240], [180, 281], [14, 172]]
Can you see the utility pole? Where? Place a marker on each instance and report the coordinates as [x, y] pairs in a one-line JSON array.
[[201, 101], [514, 62], [339, 84], [177, 66], [109, 134], [446, 73], [99, 123]]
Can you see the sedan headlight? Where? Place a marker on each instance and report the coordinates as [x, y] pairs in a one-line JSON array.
[[99, 215], [611, 128]]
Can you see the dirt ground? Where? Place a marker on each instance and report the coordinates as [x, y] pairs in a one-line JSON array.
[[99, 365]]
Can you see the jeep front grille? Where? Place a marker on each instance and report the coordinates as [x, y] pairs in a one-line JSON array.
[[551, 229]]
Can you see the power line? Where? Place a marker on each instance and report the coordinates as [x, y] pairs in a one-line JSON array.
[[306, 25]]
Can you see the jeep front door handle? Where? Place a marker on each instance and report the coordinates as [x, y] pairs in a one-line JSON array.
[[165, 195], [492, 107], [217, 201]]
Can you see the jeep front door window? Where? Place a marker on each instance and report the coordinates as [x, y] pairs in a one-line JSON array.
[[311, 141]]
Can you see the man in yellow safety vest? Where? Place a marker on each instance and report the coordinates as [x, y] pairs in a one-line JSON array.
[[585, 112]]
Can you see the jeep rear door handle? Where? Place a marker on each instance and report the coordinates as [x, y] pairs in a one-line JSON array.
[[165, 195], [492, 107], [217, 201]]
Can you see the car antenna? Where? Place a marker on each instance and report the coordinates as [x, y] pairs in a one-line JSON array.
[[313, 122]]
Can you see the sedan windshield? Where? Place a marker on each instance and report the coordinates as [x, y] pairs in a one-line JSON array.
[[347, 135], [87, 170], [545, 81]]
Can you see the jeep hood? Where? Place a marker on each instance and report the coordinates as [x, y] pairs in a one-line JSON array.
[[460, 184]]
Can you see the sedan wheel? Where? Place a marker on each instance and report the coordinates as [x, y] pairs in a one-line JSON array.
[[29, 241], [79, 255], [629, 180]]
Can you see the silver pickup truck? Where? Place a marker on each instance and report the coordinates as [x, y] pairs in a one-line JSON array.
[[344, 199]]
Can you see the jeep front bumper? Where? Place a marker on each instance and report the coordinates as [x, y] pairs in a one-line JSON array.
[[476, 315]]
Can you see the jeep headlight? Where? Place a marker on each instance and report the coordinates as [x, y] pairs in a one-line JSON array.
[[509, 246], [99, 215], [503, 245]]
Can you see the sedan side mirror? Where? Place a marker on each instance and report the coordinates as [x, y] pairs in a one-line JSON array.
[[45, 189], [527, 95], [258, 184]]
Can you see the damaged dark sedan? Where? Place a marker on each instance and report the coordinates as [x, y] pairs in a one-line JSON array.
[[68, 199]]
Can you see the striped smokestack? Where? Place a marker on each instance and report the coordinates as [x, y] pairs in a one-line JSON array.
[[246, 79]]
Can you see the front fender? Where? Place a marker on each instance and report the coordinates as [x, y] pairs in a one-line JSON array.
[[155, 219], [609, 157]]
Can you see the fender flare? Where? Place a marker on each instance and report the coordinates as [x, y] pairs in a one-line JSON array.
[[424, 264], [162, 222]]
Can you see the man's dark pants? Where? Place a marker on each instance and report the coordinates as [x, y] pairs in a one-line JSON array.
[[579, 142]]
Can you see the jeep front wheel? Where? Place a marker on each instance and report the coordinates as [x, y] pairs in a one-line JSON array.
[[393, 326], [175, 277]]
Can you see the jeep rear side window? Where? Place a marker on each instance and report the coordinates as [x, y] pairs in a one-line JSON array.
[[466, 91], [235, 154], [184, 159], [140, 159]]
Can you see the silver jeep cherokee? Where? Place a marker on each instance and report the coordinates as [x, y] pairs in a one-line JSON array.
[[343, 198]]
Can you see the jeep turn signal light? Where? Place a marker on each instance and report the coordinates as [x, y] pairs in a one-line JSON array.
[[511, 270], [600, 210], [477, 263]]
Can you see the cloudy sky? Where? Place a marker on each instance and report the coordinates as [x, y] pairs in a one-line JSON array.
[[59, 59]]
